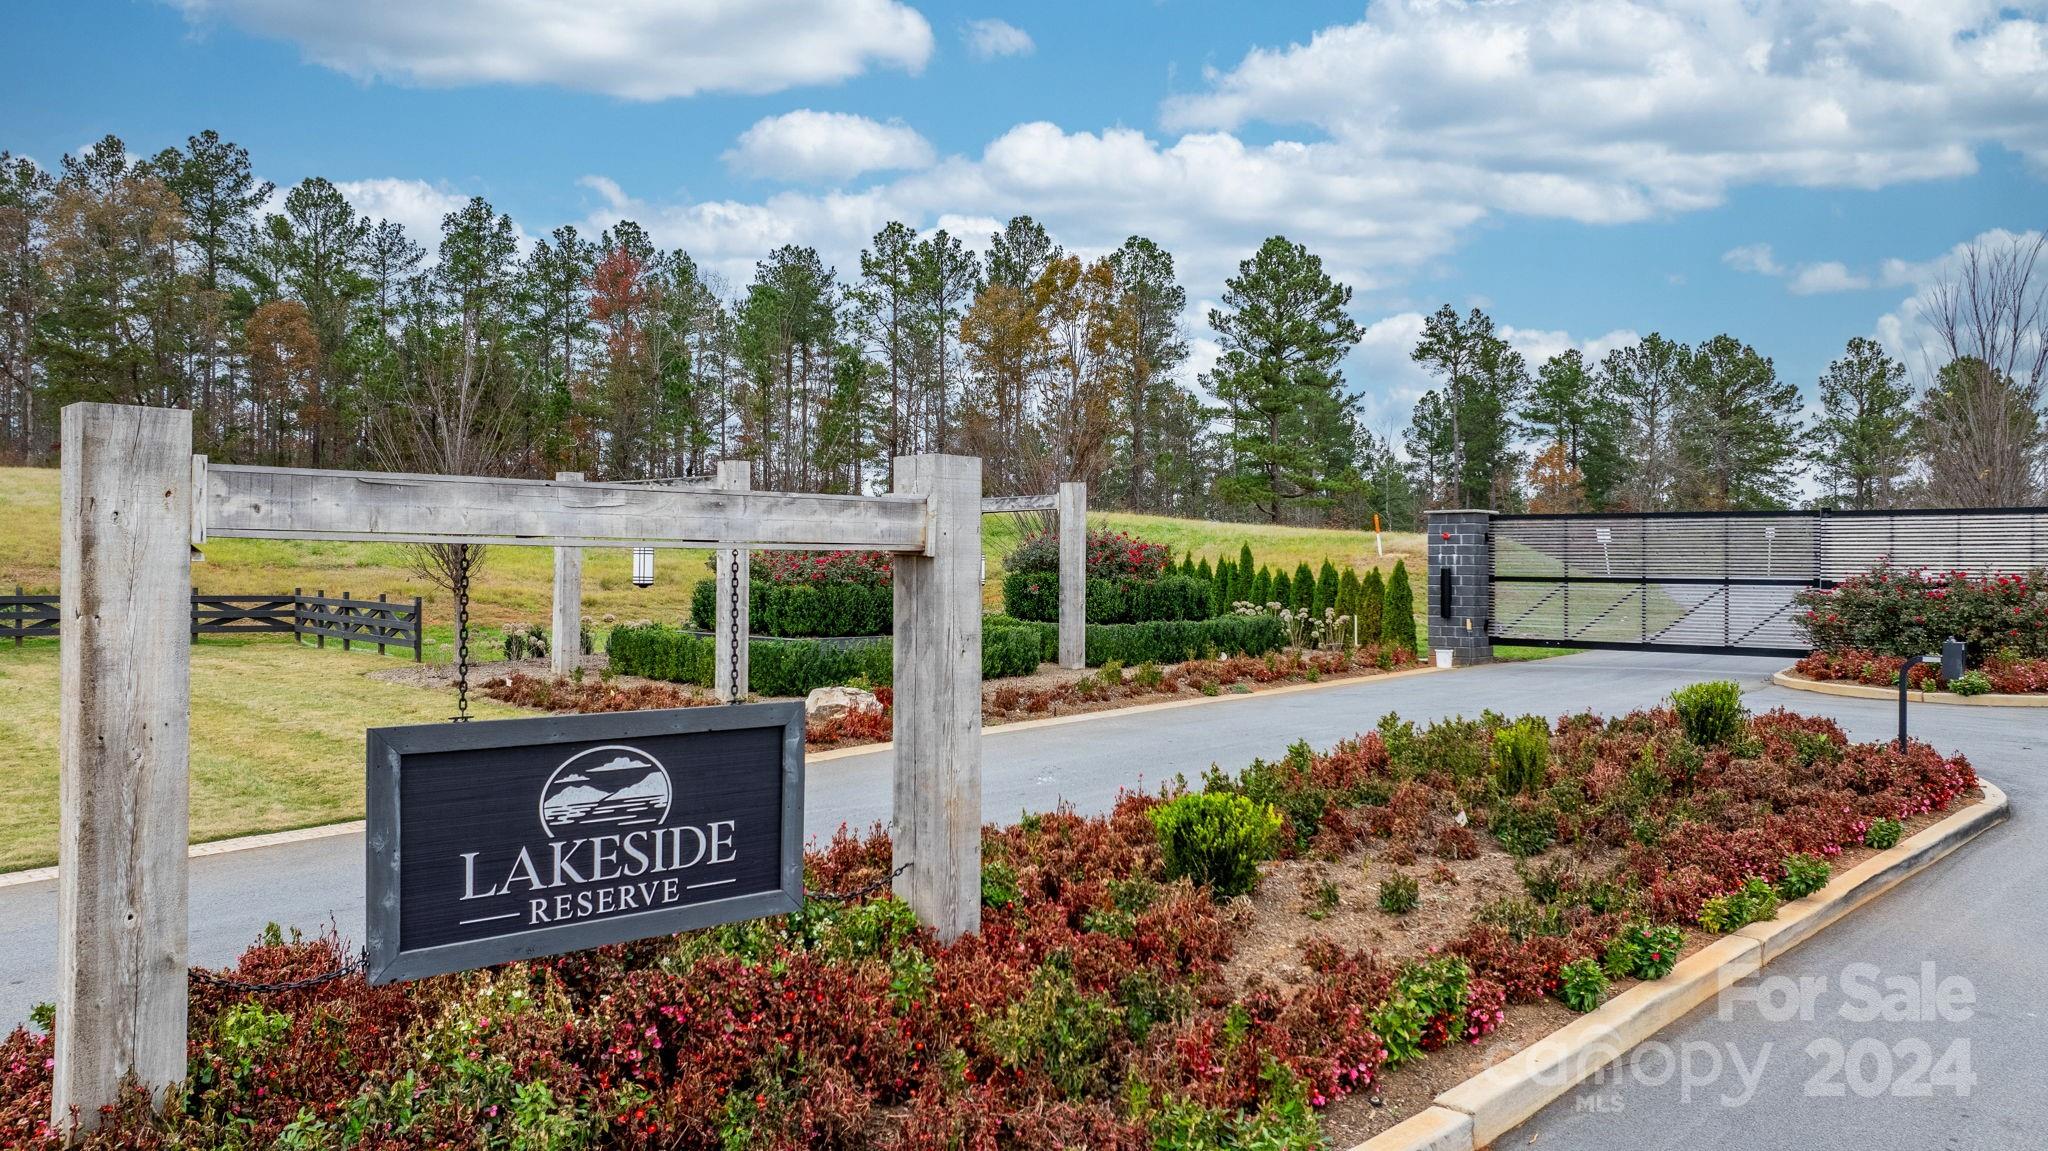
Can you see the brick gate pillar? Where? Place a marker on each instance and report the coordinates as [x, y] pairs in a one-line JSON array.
[[1461, 584]]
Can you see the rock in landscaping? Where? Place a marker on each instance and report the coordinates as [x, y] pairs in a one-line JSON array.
[[828, 702]]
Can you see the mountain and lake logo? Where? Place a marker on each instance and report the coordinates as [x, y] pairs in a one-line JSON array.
[[603, 788]]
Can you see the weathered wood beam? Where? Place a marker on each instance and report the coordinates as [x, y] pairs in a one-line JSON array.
[[990, 505], [295, 503], [125, 547], [936, 823]]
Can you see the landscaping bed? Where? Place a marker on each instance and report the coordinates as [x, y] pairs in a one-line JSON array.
[[1050, 691], [1169, 974], [1864, 629], [1999, 674]]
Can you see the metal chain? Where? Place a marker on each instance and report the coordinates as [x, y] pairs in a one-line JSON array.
[[462, 562], [859, 892], [348, 967], [740, 629]]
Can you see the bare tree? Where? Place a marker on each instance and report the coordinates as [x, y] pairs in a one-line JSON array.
[[1980, 421]]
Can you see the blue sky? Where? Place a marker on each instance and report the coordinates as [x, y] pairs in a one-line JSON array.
[[1793, 173]]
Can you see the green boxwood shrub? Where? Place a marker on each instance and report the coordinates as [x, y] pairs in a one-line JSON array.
[[1804, 875], [775, 667], [1035, 596], [803, 610], [1970, 683], [1883, 834], [1755, 902], [1521, 756], [1216, 839], [1007, 651], [1582, 985], [1171, 641], [796, 666], [1711, 713]]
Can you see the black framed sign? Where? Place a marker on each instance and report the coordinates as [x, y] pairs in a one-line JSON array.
[[509, 839]]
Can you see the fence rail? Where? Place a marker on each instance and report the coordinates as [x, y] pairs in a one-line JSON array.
[[1723, 581], [379, 622]]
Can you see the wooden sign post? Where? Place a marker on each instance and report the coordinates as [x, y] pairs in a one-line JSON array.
[[135, 503], [1069, 506], [126, 546], [1073, 512], [565, 652]]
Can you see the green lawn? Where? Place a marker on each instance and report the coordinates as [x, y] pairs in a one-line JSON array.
[[277, 738]]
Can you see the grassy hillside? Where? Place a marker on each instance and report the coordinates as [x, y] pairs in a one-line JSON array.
[[516, 584]]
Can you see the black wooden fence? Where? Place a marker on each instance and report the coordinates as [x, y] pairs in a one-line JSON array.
[[371, 622]]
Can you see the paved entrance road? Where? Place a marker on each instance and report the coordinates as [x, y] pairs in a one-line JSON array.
[[1977, 915]]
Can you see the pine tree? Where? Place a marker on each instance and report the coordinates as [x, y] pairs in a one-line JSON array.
[[1203, 573], [1283, 589], [1569, 410], [1372, 607], [1262, 588], [1145, 351], [1863, 443], [1303, 588], [1327, 587], [1739, 433], [1483, 381], [1222, 588], [1397, 624], [1643, 382], [1284, 330]]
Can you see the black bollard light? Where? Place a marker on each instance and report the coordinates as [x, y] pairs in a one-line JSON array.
[[1951, 661]]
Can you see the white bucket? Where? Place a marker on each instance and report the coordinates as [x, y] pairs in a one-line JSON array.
[[1443, 657]]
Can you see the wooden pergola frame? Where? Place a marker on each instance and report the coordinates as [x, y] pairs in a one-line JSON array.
[[136, 505], [1070, 504]]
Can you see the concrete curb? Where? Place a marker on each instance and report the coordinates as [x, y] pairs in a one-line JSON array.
[[323, 831], [1485, 1107], [1796, 682], [212, 847]]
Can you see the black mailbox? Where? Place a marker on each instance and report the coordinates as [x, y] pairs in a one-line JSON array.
[[1952, 660]]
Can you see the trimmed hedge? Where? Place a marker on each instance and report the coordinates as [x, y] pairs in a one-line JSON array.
[[776, 667], [1171, 641], [839, 609], [1035, 596], [798, 666], [1160, 641]]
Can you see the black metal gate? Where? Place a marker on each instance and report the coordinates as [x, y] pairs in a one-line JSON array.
[[1722, 581]]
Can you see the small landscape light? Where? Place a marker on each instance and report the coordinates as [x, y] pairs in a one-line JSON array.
[[643, 567]]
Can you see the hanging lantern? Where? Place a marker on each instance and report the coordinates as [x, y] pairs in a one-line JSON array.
[[643, 567]]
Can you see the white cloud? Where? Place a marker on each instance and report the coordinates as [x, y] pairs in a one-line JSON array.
[[822, 146], [416, 205], [1756, 258], [1904, 331], [1803, 279], [1603, 110], [988, 39], [1829, 276], [635, 49]]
